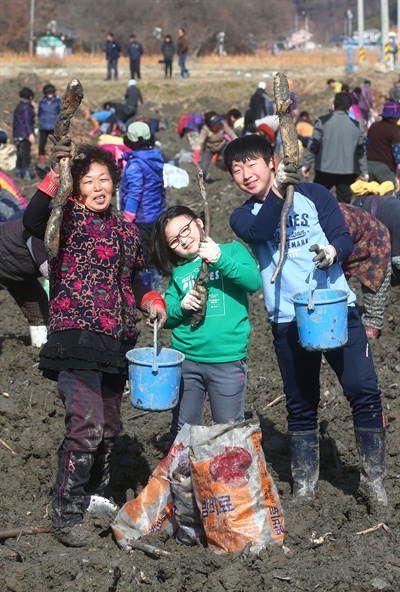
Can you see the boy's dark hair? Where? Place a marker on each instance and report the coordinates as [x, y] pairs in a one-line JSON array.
[[304, 114], [345, 88], [234, 113], [330, 80], [342, 101], [246, 148], [93, 154], [161, 255], [26, 93]]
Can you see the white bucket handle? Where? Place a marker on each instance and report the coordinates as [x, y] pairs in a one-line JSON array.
[[155, 367], [310, 303]]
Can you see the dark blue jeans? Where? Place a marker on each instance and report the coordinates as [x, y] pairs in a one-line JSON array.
[[112, 65], [182, 64], [352, 364]]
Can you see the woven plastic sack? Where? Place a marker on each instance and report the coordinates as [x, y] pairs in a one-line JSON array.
[[236, 496]]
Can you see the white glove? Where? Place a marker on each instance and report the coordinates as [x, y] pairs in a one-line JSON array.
[[305, 172], [209, 250], [325, 257], [191, 301], [286, 174]]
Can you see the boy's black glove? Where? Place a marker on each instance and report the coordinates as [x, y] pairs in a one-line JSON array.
[[325, 257], [286, 174]]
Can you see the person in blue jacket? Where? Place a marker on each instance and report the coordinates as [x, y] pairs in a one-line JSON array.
[[134, 50], [49, 108], [113, 51], [142, 187], [316, 236]]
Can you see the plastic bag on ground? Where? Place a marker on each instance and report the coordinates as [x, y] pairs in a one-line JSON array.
[[152, 510], [175, 176], [190, 527]]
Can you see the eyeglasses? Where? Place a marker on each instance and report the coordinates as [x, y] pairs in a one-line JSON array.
[[183, 233]]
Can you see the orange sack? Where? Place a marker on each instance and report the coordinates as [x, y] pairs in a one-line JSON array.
[[236, 496]]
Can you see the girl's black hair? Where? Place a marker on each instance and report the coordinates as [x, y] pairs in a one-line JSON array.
[[246, 148], [140, 144], [161, 255], [92, 154]]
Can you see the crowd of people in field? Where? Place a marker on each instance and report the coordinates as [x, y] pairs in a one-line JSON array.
[[146, 256]]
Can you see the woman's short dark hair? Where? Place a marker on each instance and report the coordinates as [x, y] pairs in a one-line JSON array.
[[247, 148], [161, 255], [92, 154]]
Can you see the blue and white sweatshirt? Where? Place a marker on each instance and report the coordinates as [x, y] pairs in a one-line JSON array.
[[315, 218]]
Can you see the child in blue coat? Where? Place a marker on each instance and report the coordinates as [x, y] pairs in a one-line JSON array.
[[142, 187]]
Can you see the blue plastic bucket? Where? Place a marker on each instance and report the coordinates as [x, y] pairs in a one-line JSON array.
[[154, 388], [321, 317]]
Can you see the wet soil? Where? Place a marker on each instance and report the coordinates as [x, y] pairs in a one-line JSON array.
[[31, 416]]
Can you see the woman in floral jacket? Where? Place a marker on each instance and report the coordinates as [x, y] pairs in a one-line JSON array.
[[95, 289], [369, 263]]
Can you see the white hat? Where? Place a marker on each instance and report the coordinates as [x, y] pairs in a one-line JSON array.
[[137, 130], [132, 82], [262, 85]]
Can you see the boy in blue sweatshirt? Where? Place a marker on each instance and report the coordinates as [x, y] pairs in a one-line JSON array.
[[316, 235]]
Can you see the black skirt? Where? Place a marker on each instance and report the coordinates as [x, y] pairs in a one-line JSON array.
[[75, 349]]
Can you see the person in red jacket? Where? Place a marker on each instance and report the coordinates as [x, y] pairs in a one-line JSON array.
[[95, 291], [383, 149]]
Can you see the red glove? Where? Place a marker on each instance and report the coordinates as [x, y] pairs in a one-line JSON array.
[[49, 184], [154, 304], [196, 156]]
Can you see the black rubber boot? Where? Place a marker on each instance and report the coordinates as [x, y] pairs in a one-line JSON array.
[[99, 474], [68, 499], [304, 448], [371, 448]]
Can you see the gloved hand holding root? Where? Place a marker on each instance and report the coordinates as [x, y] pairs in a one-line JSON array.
[[286, 174], [63, 148], [325, 257], [154, 304], [209, 250], [191, 301]]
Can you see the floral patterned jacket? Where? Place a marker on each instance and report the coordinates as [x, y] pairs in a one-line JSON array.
[[91, 277], [371, 254]]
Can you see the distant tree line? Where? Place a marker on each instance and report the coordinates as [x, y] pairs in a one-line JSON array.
[[248, 25]]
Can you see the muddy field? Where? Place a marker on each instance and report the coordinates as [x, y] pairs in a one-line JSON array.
[[31, 416]]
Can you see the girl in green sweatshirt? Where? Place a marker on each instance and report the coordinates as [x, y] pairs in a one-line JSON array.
[[215, 350]]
